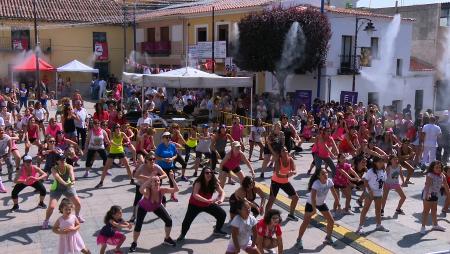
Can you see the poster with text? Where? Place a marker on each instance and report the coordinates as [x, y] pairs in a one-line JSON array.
[[302, 97], [351, 97], [101, 51]]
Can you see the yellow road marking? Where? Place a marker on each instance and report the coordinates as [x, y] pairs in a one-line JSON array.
[[361, 242]]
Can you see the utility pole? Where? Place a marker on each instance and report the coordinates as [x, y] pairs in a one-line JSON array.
[[319, 69], [36, 51], [213, 42], [124, 36], [134, 35]]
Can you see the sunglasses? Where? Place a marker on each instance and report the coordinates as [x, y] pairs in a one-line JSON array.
[[151, 159], [208, 173], [51, 142], [27, 161]]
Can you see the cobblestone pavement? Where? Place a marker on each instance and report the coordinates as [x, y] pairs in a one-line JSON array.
[[21, 232]]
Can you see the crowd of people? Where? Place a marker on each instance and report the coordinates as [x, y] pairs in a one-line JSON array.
[[366, 152]]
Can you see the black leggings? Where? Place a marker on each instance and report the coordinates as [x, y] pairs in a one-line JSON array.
[[90, 156], [167, 171], [193, 210], [180, 160], [20, 186], [160, 212], [81, 137], [188, 150], [215, 159], [137, 196]]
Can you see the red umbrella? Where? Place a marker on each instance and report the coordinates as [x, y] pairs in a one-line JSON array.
[[29, 64]]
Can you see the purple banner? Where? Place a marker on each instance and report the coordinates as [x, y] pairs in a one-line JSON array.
[[303, 97], [351, 97]]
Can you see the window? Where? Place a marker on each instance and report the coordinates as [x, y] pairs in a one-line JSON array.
[[98, 37], [346, 51], [164, 33], [100, 46], [418, 100], [20, 39], [399, 67], [372, 98], [223, 34], [202, 34], [444, 21], [374, 47], [151, 34]]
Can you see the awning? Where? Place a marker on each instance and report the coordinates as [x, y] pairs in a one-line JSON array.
[[30, 65], [76, 66], [186, 77]]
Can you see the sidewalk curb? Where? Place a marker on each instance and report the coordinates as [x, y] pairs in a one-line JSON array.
[[341, 233]]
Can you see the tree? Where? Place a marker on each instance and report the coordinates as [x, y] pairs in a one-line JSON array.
[[262, 37]]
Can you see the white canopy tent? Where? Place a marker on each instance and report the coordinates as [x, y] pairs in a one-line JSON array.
[[74, 66], [188, 77]]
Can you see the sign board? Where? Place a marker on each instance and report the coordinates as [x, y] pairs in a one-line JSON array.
[[351, 97], [230, 66], [204, 49], [303, 97], [101, 51]]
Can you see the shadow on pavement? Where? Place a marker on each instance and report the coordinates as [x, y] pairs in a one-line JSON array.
[[4, 216], [412, 239], [294, 249], [197, 241], [89, 191], [23, 197], [21, 236], [168, 249]]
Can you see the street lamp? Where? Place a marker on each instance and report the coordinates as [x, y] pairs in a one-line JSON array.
[[370, 28]]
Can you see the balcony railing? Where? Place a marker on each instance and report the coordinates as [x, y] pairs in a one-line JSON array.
[[158, 48], [348, 66], [7, 44]]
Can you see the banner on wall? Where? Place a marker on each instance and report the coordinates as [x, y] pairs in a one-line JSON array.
[[351, 97], [303, 97], [101, 51], [19, 44]]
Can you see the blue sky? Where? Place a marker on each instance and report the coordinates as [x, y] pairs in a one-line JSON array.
[[390, 3]]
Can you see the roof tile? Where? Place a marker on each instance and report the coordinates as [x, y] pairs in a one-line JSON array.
[[219, 5], [417, 65], [104, 11]]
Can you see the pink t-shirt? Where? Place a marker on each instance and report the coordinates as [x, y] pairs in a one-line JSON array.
[[322, 151], [237, 131], [339, 178], [52, 131]]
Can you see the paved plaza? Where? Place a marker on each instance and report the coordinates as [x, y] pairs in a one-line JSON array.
[[21, 232]]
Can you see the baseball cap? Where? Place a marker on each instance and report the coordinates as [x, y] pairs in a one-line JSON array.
[[205, 125], [27, 158], [60, 157], [166, 134]]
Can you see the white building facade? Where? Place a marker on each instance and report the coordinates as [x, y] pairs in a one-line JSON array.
[[387, 75]]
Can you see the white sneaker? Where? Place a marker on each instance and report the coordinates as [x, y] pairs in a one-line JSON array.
[[381, 228], [360, 230], [438, 228], [423, 231], [348, 212]]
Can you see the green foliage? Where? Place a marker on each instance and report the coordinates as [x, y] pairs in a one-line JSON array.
[[261, 38]]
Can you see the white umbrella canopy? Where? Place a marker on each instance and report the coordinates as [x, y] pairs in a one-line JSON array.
[[76, 66], [186, 77]]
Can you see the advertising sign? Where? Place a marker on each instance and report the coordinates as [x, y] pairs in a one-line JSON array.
[[351, 97], [101, 51], [303, 97], [204, 49]]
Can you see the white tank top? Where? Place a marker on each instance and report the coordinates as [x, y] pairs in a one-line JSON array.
[[97, 142]]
